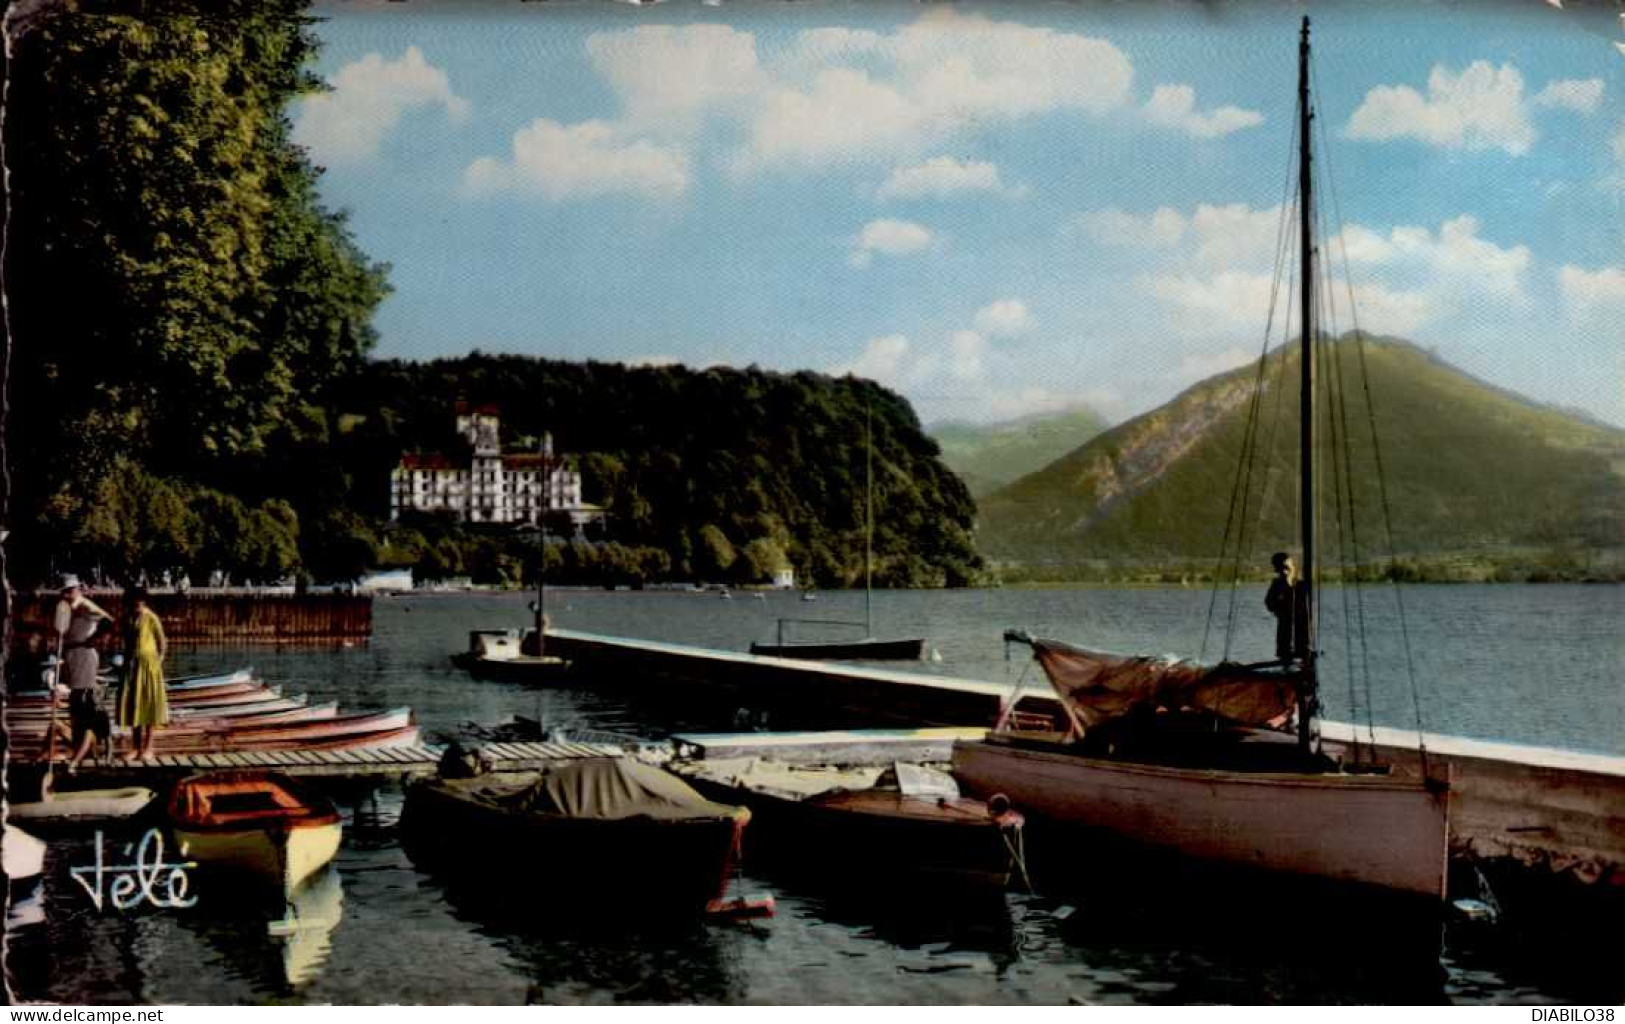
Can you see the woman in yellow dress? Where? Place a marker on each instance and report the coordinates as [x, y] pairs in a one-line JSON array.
[[143, 703]]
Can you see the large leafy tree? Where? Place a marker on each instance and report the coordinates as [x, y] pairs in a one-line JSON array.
[[178, 295]]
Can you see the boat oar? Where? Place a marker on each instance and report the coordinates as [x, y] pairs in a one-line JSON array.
[[62, 620]]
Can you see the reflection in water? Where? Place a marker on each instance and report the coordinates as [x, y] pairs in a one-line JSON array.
[[313, 911], [575, 954], [276, 942]]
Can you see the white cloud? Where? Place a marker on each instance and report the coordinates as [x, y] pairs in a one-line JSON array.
[[1456, 254], [1593, 296], [942, 177], [1481, 108], [880, 360], [559, 162], [1394, 310], [966, 349], [369, 98], [1235, 234], [1005, 318], [1199, 366], [1582, 95], [1174, 106], [660, 359], [1112, 226], [1222, 237], [940, 73], [669, 76], [1012, 404], [890, 238], [1213, 303]]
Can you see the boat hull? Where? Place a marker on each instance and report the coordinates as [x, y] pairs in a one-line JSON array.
[[879, 836], [636, 863], [912, 649], [281, 857], [276, 830], [521, 668], [88, 805], [1385, 833]]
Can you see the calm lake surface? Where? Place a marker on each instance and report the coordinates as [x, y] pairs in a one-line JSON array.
[[1528, 664]]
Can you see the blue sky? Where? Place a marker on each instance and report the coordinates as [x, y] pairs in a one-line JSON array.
[[996, 209]]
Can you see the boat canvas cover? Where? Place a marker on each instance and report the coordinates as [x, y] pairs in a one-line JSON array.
[[1098, 688], [602, 788]]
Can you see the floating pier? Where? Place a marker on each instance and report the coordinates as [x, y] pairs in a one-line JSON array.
[[1560, 812]]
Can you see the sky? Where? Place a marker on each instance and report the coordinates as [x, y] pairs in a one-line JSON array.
[[995, 209]]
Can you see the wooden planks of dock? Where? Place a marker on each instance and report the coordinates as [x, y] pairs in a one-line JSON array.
[[380, 763]]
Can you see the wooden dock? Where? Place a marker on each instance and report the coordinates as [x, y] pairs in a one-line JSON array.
[[1561, 812], [382, 764]]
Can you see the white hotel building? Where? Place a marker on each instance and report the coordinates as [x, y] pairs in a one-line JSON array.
[[493, 487]]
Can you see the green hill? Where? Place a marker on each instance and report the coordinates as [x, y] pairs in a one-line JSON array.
[[1470, 470], [719, 468], [989, 457]]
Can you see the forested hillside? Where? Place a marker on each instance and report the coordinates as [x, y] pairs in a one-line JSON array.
[[731, 473]]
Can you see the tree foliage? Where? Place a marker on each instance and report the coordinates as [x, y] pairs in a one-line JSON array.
[[731, 474], [177, 292]]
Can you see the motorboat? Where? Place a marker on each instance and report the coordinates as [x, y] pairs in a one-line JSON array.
[[600, 829], [904, 822]]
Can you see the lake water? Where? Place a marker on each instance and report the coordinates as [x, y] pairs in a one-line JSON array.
[[1528, 664]]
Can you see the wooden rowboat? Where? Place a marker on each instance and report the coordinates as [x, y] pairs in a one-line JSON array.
[[258, 823], [83, 806], [346, 732]]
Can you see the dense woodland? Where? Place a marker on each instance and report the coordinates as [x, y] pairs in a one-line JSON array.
[[190, 380]]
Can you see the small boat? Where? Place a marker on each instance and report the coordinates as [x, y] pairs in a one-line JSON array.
[[366, 730], [509, 655], [85, 806], [23, 855], [598, 829], [867, 649], [900, 823], [255, 822]]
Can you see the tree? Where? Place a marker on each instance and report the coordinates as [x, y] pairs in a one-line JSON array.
[[153, 178]]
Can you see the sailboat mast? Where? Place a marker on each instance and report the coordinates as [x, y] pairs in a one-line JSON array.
[[1306, 406], [868, 517]]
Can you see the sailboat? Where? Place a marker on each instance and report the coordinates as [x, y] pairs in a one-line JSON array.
[[1202, 761], [870, 647]]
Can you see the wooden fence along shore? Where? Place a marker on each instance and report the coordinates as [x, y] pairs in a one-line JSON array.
[[226, 616]]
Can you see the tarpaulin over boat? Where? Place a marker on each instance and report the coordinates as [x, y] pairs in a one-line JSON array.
[[1098, 687], [600, 787]]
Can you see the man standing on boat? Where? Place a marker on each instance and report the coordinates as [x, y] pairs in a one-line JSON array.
[[1285, 600]]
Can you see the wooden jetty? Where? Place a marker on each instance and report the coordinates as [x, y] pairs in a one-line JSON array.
[[381, 764], [841, 747], [236, 616], [1559, 812]]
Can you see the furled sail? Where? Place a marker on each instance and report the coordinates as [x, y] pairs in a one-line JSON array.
[[1098, 688]]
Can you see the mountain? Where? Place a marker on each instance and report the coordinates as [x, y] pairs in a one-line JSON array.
[[1468, 468], [989, 457]]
